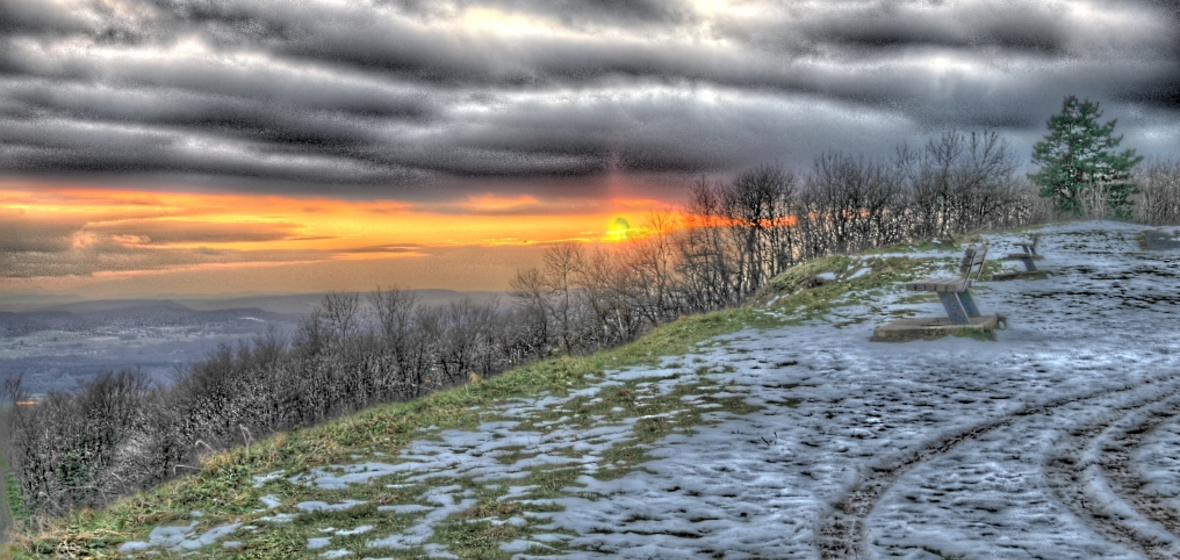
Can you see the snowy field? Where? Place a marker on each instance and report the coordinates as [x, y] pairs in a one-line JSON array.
[[1061, 439]]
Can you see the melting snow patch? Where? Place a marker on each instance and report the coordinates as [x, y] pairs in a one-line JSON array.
[[406, 508], [358, 473], [860, 273], [438, 551], [418, 533], [324, 506], [356, 531], [178, 538], [278, 518], [260, 480], [133, 546], [519, 545]]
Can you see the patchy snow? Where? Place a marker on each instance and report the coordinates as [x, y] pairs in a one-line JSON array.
[[356, 531], [278, 518], [261, 480], [324, 506], [182, 537], [1026, 446], [270, 501], [860, 273]]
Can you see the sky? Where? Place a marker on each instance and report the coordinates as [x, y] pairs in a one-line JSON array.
[[155, 147]]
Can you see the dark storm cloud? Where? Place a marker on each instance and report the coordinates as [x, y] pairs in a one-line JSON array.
[[32, 246], [21, 233], [1030, 26], [413, 96], [108, 257], [22, 16], [569, 12], [86, 253]]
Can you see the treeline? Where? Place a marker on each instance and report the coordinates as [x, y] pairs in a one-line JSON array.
[[120, 433], [1157, 197], [730, 238]]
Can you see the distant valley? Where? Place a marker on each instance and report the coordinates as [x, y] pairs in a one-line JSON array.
[[56, 347]]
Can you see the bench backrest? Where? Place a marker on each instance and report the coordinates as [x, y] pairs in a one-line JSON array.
[[972, 265]]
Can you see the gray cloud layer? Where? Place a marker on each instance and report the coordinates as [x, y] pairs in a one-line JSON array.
[[397, 96]]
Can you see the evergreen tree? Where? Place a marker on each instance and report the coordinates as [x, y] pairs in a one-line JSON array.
[[1078, 162]]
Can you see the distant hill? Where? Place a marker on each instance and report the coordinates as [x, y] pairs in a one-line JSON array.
[[55, 345], [296, 304], [110, 305], [304, 303], [126, 313]]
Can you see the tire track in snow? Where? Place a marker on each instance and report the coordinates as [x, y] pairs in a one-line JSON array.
[[1097, 455], [1130, 484], [843, 533]]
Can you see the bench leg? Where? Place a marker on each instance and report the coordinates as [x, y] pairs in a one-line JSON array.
[[1028, 263], [968, 303], [954, 308]]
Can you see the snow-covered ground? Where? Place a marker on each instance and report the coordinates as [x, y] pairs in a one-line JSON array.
[[1060, 439]]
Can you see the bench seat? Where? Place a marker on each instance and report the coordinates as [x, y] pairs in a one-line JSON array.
[[939, 285], [955, 292], [1023, 256]]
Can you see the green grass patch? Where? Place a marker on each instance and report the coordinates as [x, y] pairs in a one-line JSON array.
[[801, 297], [16, 510]]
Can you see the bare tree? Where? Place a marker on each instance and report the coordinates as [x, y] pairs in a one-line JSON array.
[[755, 205], [652, 260], [1158, 199], [708, 263], [961, 182]]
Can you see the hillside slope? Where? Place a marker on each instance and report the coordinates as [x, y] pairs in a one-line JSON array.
[[772, 432]]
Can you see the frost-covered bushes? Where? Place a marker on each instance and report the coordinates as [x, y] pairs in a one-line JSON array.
[[120, 433], [70, 449]]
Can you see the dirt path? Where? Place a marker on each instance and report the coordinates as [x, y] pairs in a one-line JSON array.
[[843, 534], [1097, 456]]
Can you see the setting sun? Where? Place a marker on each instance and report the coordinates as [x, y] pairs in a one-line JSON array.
[[89, 235]]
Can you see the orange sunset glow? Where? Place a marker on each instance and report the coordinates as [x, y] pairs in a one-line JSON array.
[[106, 241]]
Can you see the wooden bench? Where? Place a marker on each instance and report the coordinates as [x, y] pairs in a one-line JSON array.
[[1028, 254], [955, 293]]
